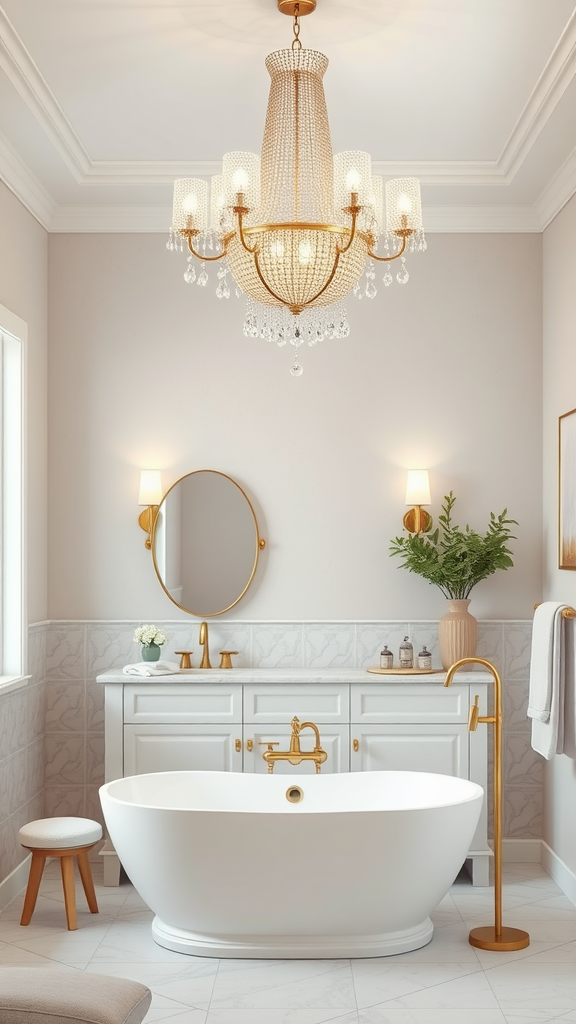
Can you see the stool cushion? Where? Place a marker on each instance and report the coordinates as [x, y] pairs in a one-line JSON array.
[[31, 995], [60, 833]]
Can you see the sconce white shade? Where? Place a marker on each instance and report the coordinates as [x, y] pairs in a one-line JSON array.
[[150, 487], [418, 487]]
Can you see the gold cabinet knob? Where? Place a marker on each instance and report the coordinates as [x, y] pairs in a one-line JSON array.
[[356, 745], [226, 659], [238, 745], [249, 746], [185, 658]]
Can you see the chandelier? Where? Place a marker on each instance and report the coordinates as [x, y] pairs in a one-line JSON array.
[[296, 227]]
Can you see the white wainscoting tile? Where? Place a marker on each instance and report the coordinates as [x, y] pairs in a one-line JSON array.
[[518, 640], [491, 642], [277, 645], [110, 646], [66, 651], [65, 759], [329, 645], [65, 705], [522, 813], [522, 765]]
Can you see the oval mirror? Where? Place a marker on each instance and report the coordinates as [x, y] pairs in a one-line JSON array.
[[205, 543]]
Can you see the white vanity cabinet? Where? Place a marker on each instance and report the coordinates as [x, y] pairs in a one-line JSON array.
[[422, 728], [222, 720]]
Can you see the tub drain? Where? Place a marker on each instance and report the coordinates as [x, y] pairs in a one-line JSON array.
[[294, 795]]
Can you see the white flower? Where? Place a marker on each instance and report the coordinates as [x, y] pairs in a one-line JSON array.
[[147, 635]]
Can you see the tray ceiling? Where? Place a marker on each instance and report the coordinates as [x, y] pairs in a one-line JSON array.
[[103, 104]]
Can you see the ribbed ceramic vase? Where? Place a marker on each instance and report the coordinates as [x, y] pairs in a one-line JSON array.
[[458, 633]]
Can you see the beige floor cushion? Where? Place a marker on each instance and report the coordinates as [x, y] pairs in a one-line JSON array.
[[30, 995]]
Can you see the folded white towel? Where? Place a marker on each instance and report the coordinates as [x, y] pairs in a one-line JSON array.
[[152, 668], [547, 676], [544, 658]]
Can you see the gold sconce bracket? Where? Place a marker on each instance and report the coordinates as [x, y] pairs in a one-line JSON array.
[[146, 520], [417, 520]]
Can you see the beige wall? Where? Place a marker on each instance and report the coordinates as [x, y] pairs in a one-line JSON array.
[[23, 290], [559, 373], [146, 371]]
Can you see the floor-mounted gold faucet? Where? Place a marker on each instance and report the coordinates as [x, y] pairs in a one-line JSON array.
[[497, 937], [203, 640], [295, 755]]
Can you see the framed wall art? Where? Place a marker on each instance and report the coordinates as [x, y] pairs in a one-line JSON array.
[[567, 490]]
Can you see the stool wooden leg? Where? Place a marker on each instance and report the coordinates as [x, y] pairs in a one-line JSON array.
[[67, 869], [36, 869], [87, 882]]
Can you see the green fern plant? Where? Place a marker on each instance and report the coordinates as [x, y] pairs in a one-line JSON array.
[[455, 560]]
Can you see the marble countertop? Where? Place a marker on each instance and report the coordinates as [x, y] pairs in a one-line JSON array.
[[292, 675]]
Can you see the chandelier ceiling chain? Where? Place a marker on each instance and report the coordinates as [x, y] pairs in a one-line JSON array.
[[295, 226]]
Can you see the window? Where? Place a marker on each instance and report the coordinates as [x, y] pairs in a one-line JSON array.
[[13, 645]]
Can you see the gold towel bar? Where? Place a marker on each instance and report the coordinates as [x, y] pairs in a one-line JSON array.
[[568, 613]]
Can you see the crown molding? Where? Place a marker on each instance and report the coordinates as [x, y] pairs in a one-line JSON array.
[[480, 219], [558, 191], [26, 78], [555, 78], [112, 219], [25, 186], [34, 90]]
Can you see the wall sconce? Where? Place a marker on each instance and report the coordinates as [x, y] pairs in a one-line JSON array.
[[150, 495], [417, 494]]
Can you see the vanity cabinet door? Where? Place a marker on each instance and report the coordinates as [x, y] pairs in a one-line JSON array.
[[416, 748], [161, 748], [334, 739]]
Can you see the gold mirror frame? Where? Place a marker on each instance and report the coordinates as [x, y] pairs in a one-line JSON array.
[[260, 544]]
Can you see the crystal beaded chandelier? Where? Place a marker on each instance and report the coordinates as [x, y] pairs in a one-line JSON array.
[[296, 227]]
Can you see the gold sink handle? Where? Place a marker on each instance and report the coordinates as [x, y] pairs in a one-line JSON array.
[[185, 658], [226, 659]]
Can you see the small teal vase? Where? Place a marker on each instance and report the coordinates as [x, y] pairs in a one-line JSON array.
[[151, 652]]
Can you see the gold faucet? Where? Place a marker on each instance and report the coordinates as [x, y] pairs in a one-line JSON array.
[[498, 937], [295, 755], [203, 640]]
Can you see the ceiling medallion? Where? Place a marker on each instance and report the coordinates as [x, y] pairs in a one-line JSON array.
[[296, 227]]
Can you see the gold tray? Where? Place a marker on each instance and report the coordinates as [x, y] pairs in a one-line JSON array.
[[404, 671]]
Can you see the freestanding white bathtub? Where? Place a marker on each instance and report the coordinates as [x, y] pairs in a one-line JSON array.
[[232, 868]]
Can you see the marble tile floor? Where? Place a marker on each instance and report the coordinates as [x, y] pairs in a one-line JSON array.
[[446, 982]]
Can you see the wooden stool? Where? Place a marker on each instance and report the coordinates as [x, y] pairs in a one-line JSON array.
[[65, 838]]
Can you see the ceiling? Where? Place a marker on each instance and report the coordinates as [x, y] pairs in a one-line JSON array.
[[104, 102]]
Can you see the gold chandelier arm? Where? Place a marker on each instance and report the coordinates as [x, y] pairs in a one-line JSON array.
[[261, 276], [330, 279], [354, 210], [388, 259], [209, 259], [240, 213]]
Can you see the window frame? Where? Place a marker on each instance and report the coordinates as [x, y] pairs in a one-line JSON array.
[[13, 581]]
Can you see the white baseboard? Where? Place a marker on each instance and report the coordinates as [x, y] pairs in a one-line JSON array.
[[525, 851], [14, 882], [560, 872]]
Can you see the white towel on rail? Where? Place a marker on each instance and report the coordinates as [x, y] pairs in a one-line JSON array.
[[151, 668], [547, 671]]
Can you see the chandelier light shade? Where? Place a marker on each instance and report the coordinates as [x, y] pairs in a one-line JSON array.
[[296, 227]]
